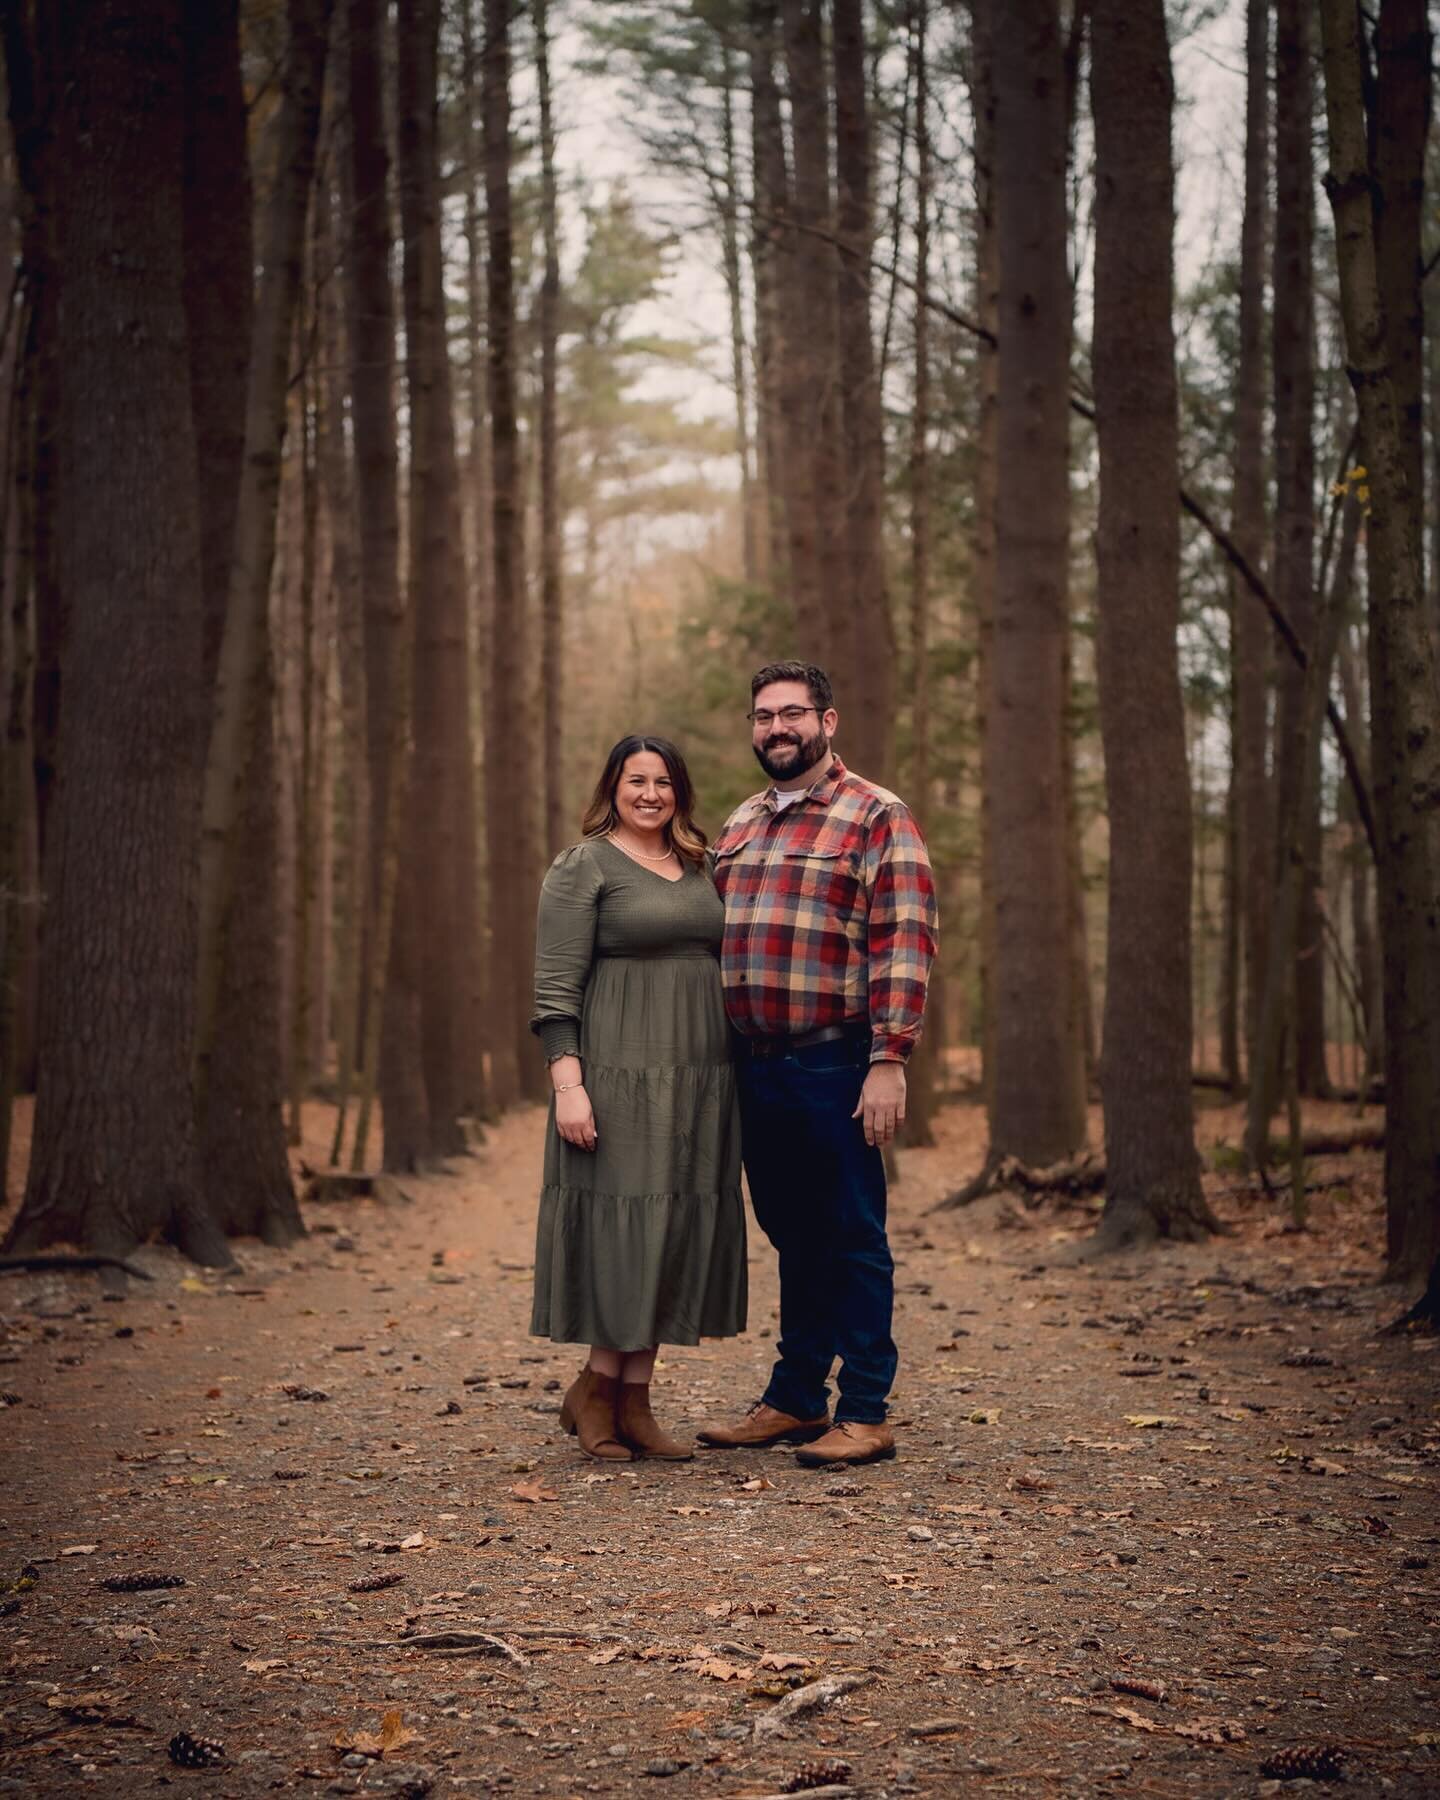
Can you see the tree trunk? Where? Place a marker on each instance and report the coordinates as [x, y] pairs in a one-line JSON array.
[[728, 202], [33, 76], [510, 858], [871, 731], [477, 509], [770, 252], [1401, 129], [552, 641], [114, 1155], [1250, 637], [1405, 692], [1039, 1105], [1152, 1185], [920, 1097], [982, 533], [443, 924], [18, 898], [1369, 979], [1293, 357], [811, 353], [338, 494], [371, 320], [242, 649]]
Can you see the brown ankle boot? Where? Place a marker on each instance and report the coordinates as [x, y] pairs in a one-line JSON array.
[[574, 1394], [595, 1419], [640, 1429]]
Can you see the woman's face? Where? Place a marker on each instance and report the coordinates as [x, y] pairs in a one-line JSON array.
[[645, 795]]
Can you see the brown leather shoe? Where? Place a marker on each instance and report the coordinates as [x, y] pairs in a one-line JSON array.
[[639, 1428], [595, 1419], [574, 1394], [764, 1425], [849, 1443]]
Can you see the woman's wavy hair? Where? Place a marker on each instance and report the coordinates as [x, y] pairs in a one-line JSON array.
[[686, 838]]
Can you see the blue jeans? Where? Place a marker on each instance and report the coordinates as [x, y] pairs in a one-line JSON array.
[[819, 1194]]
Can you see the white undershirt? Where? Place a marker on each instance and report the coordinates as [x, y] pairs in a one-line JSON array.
[[788, 796]]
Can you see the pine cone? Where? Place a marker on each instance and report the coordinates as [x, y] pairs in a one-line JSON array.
[[140, 1584], [195, 1752], [372, 1584], [815, 1775], [1306, 1762]]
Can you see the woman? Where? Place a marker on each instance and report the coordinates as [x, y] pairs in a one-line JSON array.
[[641, 1236]]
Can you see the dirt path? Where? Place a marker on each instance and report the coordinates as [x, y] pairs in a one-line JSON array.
[[1202, 1474]]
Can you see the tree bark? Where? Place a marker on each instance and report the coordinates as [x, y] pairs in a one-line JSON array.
[[439, 914], [728, 202], [1250, 640], [770, 252], [982, 533], [1152, 1185], [1293, 359], [114, 1155], [871, 732], [371, 321], [811, 352], [920, 1096], [552, 641], [511, 859], [1405, 692], [1039, 1105]]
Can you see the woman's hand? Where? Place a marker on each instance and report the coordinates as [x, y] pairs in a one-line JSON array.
[[575, 1118]]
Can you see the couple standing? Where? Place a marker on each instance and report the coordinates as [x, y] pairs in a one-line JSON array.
[[819, 901]]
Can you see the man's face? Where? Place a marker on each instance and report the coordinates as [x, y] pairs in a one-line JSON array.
[[789, 746]]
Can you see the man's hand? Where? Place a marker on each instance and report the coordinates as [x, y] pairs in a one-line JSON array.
[[882, 1101]]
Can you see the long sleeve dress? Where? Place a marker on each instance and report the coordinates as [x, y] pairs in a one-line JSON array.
[[642, 1240]]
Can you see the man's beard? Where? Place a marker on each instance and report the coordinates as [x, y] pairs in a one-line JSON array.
[[810, 751]]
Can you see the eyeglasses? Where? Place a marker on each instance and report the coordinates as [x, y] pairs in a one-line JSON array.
[[787, 715]]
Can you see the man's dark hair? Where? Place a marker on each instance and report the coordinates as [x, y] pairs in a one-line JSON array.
[[822, 696]]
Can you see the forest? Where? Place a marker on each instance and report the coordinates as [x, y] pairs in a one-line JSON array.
[[400, 402]]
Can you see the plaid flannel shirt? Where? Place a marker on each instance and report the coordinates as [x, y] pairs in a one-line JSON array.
[[829, 914]]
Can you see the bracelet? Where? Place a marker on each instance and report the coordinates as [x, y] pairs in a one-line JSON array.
[[567, 1086]]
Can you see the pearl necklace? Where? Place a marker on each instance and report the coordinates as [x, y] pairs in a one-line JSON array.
[[644, 855]]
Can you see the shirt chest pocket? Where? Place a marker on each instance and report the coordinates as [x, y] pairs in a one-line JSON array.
[[823, 878]]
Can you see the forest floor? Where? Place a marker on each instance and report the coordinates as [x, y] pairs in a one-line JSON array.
[[1153, 1521]]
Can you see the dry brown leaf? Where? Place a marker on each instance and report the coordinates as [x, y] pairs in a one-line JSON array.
[[393, 1734], [533, 1490], [262, 1665], [611, 1654], [717, 1669], [781, 1660], [1150, 1421], [756, 1485]]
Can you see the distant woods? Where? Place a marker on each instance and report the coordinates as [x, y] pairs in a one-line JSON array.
[[355, 494]]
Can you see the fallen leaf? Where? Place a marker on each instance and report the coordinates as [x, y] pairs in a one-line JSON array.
[[781, 1660], [691, 1512], [80, 1550], [262, 1665], [756, 1485], [392, 1735], [611, 1654], [533, 1490], [1150, 1421], [717, 1669], [1317, 1465]]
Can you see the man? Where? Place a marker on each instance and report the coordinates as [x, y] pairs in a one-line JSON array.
[[829, 937]]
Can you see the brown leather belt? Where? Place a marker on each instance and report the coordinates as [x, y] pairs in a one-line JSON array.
[[781, 1046]]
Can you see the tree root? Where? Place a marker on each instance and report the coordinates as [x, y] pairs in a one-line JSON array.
[[1423, 1317], [1083, 1174], [19, 1265]]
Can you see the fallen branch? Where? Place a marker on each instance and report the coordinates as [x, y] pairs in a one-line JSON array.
[[1077, 1175], [817, 1693], [459, 1643], [1086, 1174], [19, 1265]]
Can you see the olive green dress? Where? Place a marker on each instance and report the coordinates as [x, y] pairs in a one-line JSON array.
[[642, 1240]]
